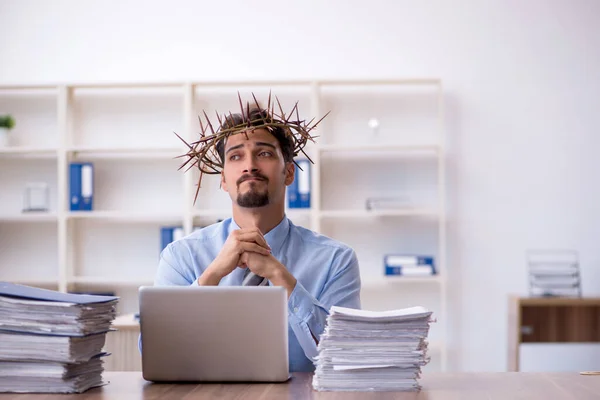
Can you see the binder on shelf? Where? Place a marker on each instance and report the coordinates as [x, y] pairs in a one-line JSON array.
[[419, 270], [74, 186], [396, 260], [169, 234], [81, 186], [299, 190], [87, 186], [409, 265]]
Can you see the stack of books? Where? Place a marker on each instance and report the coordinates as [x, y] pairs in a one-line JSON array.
[[51, 342], [372, 351]]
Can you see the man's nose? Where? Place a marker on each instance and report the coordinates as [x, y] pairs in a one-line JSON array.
[[251, 166]]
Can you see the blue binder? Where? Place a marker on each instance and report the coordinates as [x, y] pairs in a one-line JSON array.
[[87, 186], [304, 183], [75, 186], [169, 234], [81, 186], [299, 190], [421, 270], [397, 260], [409, 264]]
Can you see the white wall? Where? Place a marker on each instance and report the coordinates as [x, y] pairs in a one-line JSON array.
[[522, 105]]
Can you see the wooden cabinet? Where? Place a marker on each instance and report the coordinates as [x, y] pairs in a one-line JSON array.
[[551, 321]]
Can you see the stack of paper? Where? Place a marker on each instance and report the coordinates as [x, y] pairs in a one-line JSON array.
[[372, 351], [52, 342]]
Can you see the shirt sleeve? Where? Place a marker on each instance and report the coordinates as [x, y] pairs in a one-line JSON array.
[[307, 315], [168, 274]]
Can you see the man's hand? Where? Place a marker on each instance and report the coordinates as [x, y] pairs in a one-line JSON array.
[[269, 267], [240, 241]]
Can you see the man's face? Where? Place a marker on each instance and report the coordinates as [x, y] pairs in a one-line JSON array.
[[254, 172]]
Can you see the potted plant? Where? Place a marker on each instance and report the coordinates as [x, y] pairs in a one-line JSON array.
[[7, 122]]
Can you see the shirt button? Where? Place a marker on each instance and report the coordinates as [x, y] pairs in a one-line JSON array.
[[295, 309]]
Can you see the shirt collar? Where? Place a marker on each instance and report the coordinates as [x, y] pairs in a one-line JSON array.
[[275, 237]]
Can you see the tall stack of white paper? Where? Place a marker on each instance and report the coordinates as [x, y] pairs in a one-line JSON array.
[[52, 342], [372, 351]]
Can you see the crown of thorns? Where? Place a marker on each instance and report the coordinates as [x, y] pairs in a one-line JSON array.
[[204, 155]]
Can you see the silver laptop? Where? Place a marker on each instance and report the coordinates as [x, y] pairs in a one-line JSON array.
[[214, 334]]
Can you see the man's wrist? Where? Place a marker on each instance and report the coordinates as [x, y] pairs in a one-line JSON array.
[[209, 278], [282, 277]]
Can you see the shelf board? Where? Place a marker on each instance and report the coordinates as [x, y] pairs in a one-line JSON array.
[[33, 282], [126, 216], [110, 282], [350, 214], [212, 213], [381, 150], [298, 212], [228, 83], [101, 152], [391, 281], [28, 151], [375, 82], [30, 217]]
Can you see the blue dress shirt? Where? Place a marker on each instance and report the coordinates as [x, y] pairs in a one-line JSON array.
[[326, 271]]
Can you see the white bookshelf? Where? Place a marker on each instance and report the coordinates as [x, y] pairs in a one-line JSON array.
[[126, 130]]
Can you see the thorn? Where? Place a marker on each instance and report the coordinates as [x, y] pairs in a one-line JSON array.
[[186, 143], [203, 133], [198, 189], [292, 113], [282, 116], [241, 106], [208, 121], [191, 166], [219, 118], [248, 113], [318, 122]]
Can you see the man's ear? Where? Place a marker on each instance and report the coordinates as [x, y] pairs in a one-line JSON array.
[[290, 172], [223, 183]]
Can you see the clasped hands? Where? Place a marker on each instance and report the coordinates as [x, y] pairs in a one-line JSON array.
[[247, 248]]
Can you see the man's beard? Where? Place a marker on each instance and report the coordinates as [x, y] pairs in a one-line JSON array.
[[253, 198]]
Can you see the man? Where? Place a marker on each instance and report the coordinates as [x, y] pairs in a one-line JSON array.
[[317, 272]]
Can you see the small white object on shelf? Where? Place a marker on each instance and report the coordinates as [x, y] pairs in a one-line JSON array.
[[388, 203], [4, 138], [374, 125], [36, 197]]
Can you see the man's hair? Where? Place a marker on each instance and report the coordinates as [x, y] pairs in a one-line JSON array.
[[257, 118]]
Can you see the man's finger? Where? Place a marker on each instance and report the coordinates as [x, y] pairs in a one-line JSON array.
[[256, 237], [253, 247]]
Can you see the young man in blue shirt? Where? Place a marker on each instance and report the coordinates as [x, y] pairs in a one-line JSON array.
[[317, 272]]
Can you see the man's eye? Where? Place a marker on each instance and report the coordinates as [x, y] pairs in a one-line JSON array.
[[265, 154], [234, 157]]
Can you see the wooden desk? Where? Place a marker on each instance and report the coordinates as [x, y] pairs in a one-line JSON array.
[[457, 386]]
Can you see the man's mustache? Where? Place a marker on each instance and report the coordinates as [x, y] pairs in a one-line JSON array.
[[251, 176]]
